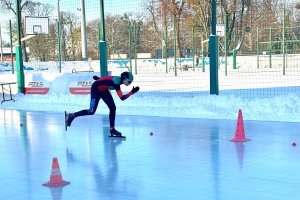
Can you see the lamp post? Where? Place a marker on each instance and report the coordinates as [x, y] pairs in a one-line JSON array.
[[83, 32], [102, 42]]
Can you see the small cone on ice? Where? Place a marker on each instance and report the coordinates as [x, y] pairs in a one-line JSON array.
[[56, 177], [239, 131]]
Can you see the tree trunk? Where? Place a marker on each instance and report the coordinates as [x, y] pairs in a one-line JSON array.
[[178, 43]]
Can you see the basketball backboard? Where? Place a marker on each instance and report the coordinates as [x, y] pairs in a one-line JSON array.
[[36, 25]]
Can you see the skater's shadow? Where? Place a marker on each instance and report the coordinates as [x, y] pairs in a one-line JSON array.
[[105, 174]]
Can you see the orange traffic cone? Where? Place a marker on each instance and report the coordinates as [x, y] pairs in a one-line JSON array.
[[56, 177], [239, 131]]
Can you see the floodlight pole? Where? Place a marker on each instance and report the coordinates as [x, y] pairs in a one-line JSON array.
[[102, 43], [83, 32], [19, 60]]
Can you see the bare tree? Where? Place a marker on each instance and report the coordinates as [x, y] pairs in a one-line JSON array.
[[198, 16], [199, 12], [156, 20], [44, 47], [92, 38], [236, 11], [176, 8], [39, 9], [70, 36], [154, 10], [297, 6], [162, 13], [149, 40]]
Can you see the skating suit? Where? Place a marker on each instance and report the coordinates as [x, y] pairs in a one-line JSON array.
[[101, 90]]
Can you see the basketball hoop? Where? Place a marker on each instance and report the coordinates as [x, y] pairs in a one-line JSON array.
[[37, 29]]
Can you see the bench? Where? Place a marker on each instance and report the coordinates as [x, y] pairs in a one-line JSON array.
[[6, 90], [186, 67]]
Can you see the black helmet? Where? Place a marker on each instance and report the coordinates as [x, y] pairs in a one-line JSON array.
[[127, 76]]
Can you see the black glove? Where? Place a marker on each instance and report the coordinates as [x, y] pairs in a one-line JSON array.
[[96, 78], [135, 89]]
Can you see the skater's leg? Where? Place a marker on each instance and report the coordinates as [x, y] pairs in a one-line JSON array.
[[95, 97], [108, 99], [93, 107]]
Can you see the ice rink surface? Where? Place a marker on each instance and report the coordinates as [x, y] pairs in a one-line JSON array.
[[184, 159]]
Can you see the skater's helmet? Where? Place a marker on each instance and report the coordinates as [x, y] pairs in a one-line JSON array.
[[127, 76]]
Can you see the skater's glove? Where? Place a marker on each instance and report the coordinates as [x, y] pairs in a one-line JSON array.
[[135, 89], [96, 78]]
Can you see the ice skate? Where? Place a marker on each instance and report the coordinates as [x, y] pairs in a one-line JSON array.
[[116, 134], [68, 119]]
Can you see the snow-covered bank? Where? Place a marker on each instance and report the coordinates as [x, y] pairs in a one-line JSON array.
[[193, 105]]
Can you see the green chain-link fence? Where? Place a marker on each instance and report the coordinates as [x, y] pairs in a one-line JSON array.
[[165, 42]]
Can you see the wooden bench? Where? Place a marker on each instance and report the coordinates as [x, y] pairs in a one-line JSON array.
[[6, 90]]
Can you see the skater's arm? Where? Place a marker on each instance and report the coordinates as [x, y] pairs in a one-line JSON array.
[[123, 97]]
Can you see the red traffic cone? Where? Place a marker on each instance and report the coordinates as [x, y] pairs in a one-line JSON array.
[[56, 177], [239, 131]]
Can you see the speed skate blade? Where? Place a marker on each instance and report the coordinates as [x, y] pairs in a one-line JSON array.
[[117, 137]]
